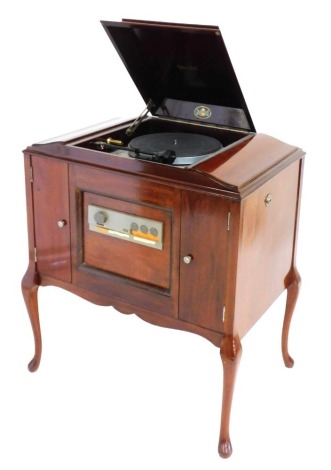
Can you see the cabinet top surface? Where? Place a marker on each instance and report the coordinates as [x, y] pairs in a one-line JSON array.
[[248, 160], [236, 168]]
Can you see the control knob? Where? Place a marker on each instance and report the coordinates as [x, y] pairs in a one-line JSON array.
[[101, 217]]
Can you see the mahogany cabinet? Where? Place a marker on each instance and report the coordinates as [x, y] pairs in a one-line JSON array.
[[205, 247]]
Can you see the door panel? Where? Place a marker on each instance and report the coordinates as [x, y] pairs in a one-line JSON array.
[[204, 238], [51, 206]]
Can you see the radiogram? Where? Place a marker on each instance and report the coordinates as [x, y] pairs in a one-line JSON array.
[[184, 216]]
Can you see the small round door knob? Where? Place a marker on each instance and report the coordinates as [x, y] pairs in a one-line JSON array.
[[61, 223], [187, 259]]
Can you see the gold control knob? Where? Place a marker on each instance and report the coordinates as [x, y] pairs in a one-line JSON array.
[[187, 259], [61, 223]]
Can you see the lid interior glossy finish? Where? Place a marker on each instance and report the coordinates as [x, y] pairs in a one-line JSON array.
[[184, 70]]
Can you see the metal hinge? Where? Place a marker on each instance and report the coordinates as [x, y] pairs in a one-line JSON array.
[[31, 174], [229, 219], [35, 254], [223, 314]]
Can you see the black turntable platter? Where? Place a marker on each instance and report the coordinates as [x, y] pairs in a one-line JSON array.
[[188, 148]]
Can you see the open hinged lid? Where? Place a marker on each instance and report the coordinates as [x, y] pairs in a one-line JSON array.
[[181, 71]]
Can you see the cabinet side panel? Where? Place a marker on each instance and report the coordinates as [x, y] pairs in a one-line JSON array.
[[51, 205], [265, 246]]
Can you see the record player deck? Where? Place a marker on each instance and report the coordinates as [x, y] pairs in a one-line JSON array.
[[184, 216], [177, 148]]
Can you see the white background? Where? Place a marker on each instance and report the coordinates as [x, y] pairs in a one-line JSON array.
[[112, 391]]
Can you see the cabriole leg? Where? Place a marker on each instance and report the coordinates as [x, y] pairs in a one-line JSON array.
[[30, 294], [230, 354], [293, 282]]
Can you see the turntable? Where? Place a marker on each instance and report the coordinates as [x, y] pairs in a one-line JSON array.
[[132, 213], [176, 148]]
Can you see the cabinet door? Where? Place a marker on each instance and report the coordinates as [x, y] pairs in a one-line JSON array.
[[204, 246], [51, 217]]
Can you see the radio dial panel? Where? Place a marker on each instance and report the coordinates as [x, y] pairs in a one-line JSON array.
[[127, 227]]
